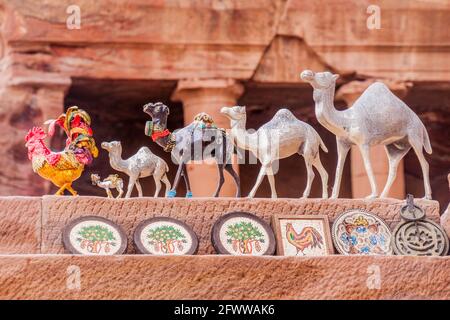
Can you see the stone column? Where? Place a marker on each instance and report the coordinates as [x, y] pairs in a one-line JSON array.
[[208, 96], [360, 182], [25, 102]]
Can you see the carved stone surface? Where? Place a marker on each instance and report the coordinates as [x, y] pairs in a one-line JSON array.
[[20, 225], [223, 277], [201, 214]]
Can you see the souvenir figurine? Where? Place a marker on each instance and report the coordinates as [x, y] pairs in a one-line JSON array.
[[200, 134], [445, 217], [279, 138], [143, 164], [416, 235], [378, 117], [62, 168], [111, 182]]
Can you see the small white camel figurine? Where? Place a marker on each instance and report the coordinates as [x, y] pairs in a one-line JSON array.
[[378, 117], [143, 164], [113, 181], [281, 137]]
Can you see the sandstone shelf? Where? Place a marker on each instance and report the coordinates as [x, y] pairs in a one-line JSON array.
[[33, 224], [33, 264], [223, 277]]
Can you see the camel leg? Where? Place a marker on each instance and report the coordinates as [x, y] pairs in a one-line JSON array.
[[342, 149], [186, 181], [221, 179], [394, 156], [271, 178], [166, 182], [108, 192], [229, 168], [261, 174], [173, 192], [139, 188], [131, 183], [310, 178], [418, 149], [323, 175], [157, 185], [120, 192], [365, 152]]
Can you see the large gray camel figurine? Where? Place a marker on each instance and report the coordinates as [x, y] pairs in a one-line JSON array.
[[378, 117], [281, 137], [143, 164], [199, 140]]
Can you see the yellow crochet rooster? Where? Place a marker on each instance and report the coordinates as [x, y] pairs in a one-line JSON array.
[[62, 168]]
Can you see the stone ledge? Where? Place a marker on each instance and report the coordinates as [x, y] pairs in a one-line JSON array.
[[199, 213], [223, 277], [20, 225], [33, 225]]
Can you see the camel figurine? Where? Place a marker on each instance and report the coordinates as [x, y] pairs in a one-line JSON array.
[[281, 137], [378, 117], [189, 143], [113, 181], [143, 164]]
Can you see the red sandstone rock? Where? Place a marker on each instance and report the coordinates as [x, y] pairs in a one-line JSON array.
[[223, 277], [20, 225], [264, 44]]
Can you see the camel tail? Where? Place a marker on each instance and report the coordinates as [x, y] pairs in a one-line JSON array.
[[322, 144], [426, 140]]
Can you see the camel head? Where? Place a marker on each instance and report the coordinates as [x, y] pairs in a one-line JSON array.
[[234, 113], [113, 146], [156, 110], [95, 178], [319, 80]]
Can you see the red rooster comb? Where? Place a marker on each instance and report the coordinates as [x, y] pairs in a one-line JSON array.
[[35, 133]]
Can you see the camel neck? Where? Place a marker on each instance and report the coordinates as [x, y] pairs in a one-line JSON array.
[[116, 161], [326, 113], [243, 139], [163, 141]]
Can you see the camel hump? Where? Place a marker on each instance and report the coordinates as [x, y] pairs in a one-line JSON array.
[[285, 115], [377, 90], [204, 120], [145, 150]]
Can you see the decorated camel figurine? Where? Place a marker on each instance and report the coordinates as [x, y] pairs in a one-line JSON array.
[[143, 164], [190, 143], [281, 137], [113, 181], [378, 117]]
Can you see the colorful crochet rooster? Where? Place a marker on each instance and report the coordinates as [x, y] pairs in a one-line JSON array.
[[62, 168]]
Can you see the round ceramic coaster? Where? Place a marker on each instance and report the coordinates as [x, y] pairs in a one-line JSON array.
[[92, 235], [241, 233], [165, 236], [361, 232]]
